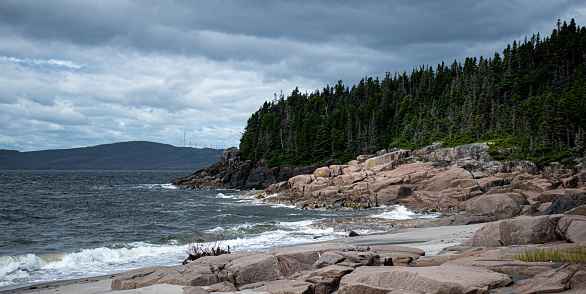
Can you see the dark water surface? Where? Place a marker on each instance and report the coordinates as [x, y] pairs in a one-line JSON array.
[[58, 225]]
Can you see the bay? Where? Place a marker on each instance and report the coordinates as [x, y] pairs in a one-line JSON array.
[[57, 225]]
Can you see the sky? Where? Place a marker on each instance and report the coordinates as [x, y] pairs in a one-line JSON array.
[[77, 73]]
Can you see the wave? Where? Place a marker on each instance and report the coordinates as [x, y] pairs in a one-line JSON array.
[[30, 268], [158, 186], [23, 270], [399, 212], [27, 269]]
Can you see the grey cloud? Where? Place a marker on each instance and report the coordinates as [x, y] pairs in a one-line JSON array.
[[182, 27], [104, 71]]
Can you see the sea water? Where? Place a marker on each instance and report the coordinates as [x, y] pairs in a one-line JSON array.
[[57, 225]]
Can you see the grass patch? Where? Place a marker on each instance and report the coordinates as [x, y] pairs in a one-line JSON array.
[[572, 255]]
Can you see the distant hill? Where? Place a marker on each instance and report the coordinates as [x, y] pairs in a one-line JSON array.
[[118, 156]]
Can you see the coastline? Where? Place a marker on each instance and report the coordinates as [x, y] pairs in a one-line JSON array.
[[432, 240]]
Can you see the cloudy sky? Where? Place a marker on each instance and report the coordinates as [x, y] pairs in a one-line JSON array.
[[81, 73]]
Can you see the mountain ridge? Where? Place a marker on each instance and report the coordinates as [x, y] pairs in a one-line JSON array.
[[133, 155]]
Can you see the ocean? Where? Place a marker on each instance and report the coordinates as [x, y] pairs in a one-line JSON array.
[[59, 225]]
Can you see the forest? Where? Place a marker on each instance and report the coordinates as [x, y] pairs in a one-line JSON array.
[[528, 103]]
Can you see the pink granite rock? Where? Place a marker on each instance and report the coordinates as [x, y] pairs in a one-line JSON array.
[[436, 279]]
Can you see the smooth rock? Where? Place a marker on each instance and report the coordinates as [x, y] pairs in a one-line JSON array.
[[553, 281], [301, 258], [526, 230], [185, 275], [287, 287], [254, 268], [572, 227], [327, 279], [565, 203], [580, 210], [500, 205], [435, 279], [195, 290], [222, 287]]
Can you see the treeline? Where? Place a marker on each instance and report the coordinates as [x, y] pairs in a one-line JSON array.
[[530, 102]]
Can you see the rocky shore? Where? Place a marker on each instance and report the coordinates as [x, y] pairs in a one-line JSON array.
[[393, 263], [232, 173], [491, 213], [460, 179]]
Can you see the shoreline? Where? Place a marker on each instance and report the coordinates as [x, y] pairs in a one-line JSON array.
[[432, 240]]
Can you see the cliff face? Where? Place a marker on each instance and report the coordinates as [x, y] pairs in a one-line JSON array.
[[231, 172]]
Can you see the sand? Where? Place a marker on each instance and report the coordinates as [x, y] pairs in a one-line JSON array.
[[431, 240]]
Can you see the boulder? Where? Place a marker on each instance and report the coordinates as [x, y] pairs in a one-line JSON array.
[[476, 151], [572, 228], [254, 268], [555, 170], [228, 156], [302, 258], [499, 205], [286, 286], [428, 149], [385, 159], [521, 231], [191, 274], [550, 196], [300, 180], [222, 287], [359, 258], [260, 178], [327, 279], [518, 166], [322, 172], [220, 261], [506, 266], [390, 194], [444, 180], [465, 218], [580, 210], [327, 259], [527, 210], [286, 171], [553, 281], [536, 185], [435, 279], [565, 203], [195, 290]]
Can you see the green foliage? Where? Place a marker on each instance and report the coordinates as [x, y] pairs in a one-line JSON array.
[[530, 101]]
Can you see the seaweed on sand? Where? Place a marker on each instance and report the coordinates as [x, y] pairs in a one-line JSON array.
[[199, 247]]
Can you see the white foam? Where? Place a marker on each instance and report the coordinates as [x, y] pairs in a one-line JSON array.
[[281, 205], [396, 212], [159, 186], [222, 195], [27, 269], [31, 268]]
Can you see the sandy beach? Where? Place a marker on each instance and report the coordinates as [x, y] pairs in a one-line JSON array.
[[431, 240]]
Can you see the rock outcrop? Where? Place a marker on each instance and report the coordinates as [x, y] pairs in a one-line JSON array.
[[531, 230], [437, 279], [463, 178], [231, 173], [338, 266], [316, 268]]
